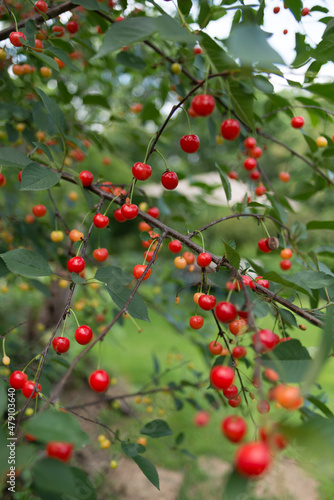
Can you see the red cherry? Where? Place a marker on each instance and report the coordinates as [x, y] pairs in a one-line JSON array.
[[2, 180], [250, 163], [129, 211], [18, 379], [252, 459], [215, 347], [100, 254], [28, 389], [247, 281], [297, 122], [233, 175], [262, 282], [284, 176], [234, 402], [169, 180], [72, 27], [256, 152], [141, 171], [237, 326], [305, 11], [61, 344], [201, 418], [230, 129], [190, 143], [285, 265], [263, 406], [59, 30], [83, 334], [192, 113], [234, 428], [275, 440], [15, 36], [39, 210], [255, 175], [249, 143], [154, 212], [276, 10], [285, 32], [41, 6], [203, 104], [231, 392], [196, 322], [86, 178], [99, 380], [119, 216], [239, 352], [175, 246], [226, 312], [204, 259], [59, 451], [221, 377], [260, 190], [138, 271], [100, 221], [262, 244], [197, 50], [265, 340], [189, 257], [76, 265], [148, 255], [207, 302], [19, 175]]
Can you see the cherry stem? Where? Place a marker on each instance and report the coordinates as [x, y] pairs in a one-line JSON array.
[[39, 364], [201, 235], [33, 359], [149, 248], [78, 251], [148, 148], [265, 228], [162, 156], [99, 356], [112, 201], [3, 346], [62, 332], [135, 323], [99, 239], [85, 219], [186, 113], [70, 310], [229, 295]]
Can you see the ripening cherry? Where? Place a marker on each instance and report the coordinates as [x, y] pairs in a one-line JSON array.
[[221, 377], [215, 347], [234, 402], [141, 171], [76, 265], [41, 6], [250, 143], [180, 262], [86, 178], [255, 175], [247, 281], [175, 246], [196, 296], [234, 428], [203, 104], [196, 322], [233, 175], [239, 352], [129, 211], [39, 210], [226, 312], [264, 340], [61, 344], [286, 253], [138, 270], [143, 226], [288, 396], [45, 72], [305, 11], [271, 375], [169, 180], [204, 259], [59, 450], [201, 419], [153, 212], [189, 256], [75, 235], [263, 245], [72, 27], [230, 129], [250, 163], [263, 406], [17, 379], [231, 392], [100, 254], [119, 216], [190, 143], [297, 122], [238, 326], [15, 36], [100, 220], [252, 459], [285, 265], [83, 334], [207, 302], [285, 32], [192, 113], [284, 176], [28, 389], [260, 190]]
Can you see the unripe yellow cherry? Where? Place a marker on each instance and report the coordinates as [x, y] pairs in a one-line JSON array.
[[149, 409], [20, 127], [3, 55], [6, 360], [142, 441], [105, 444], [219, 140], [114, 464], [4, 289], [29, 412], [63, 283], [180, 262], [137, 400], [321, 142], [176, 68], [73, 196], [57, 236], [143, 206], [101, 438]]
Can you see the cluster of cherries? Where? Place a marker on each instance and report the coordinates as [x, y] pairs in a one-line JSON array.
[[285, 254]]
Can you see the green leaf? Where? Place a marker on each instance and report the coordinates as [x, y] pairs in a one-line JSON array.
[[225, 182], [37, 178], [12, 157], [232, 255], [3, 269], [90, 5], [324, 90], [113, 276], [51, 425], [132, 449], [148, 469], [47, 60], [220, 278], [169, 29], [319, 224], [137, 307], [54, 110], [288, 316], [44, 148], [320, 405], [217, 55], [242, 98], [313, 279], [184, 6], [296, 7], [77, 279], [29, 31], [26, 263], [156, 429], [96, 100], [236, 487], [130, 60], [288, 282], [58, 52], [291, 361]]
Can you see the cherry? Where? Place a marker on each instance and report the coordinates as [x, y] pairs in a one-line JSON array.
[[148, 255], [247, 281], [143, 226], [154, 212], [99, 380], [262, 282], [201, 418], [100, 221], [204, 259], [175, 246], [288, 396], [284, 176], [250, 142], [86, 178], [230, 129], [192, 113], [260, 190], [239, 352], [100, 254], [285, 265], [255, 175], [39, 210], [76, 235], [72, 27], [190, 143], [234, 402], [18, 379], [76, 265], [197, 50], [276, 10], [233, 175], [169, 180], [83, 334], [196, 322], [207, 302], [256, 152], [263, 245], [58, 30], [189, 256], [237, 326], [203, 104], [286, 253], [250, 163], [15, 36], [243, 314], [215, 347], [285, 32], [234, 428], [61, 344], [119, 216], [231, 392], [138, 270], [28, 389], [41, 6], [275, 440], [305, 11], [129, 211], [264, 340], [263, 406], [2, 180], [297, 122], [221, 377], [226, 312], [252, 459], [271, 375], [141, 171], [59, 451], [180, 262]]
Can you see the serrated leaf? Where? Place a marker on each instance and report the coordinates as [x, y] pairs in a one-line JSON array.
[[217, 55], [77, 279], [296, 7], [130, 60], [137, 307], [156, 429], [13, 157], [47, 60], [37, 178], [54, 110], [26, 263], [58, 52], [276, 278], [225, 182], [113, 276], [233, 256], [148, 469], [288, 316], [44, 148], [220, 278]]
